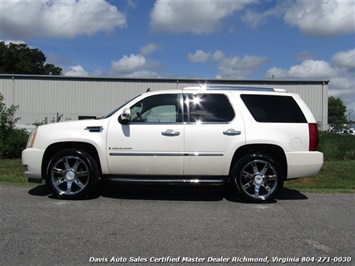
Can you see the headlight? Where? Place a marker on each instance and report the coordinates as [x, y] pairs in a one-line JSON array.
[[31, 138]]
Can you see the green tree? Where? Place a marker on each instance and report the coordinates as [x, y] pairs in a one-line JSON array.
[[21, 59], [336, 114], [12, 140]]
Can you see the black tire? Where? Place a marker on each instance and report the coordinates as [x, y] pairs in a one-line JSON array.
[[257, 178], [72, 174]]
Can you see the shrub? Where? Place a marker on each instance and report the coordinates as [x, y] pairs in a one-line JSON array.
[[337, 146], [12, 140], [13, 146]]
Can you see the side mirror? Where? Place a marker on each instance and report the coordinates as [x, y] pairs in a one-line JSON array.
[[125, 117]]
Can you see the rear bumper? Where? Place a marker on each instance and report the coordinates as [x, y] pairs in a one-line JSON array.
[[32, 163], [301, 164]]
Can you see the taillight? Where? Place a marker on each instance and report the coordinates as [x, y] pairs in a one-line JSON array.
[[313, 136]]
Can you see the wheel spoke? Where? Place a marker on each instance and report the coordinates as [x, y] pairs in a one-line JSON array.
[[270, 177], [255, 167], [265, 168], [69, 185], [66, 163], [80, 185], [257, 190], [247, 175], [58, 171], [82, 173], [76, 165], [267, 187], [60, 181], [248, 185]]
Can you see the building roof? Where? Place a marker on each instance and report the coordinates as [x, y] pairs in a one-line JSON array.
[[167, 80]]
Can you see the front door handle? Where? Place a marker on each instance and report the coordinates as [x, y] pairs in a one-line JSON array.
[[170, 133], [231, 132]]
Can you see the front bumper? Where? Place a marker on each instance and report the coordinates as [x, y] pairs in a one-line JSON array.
[[32, 163], [302, 164]]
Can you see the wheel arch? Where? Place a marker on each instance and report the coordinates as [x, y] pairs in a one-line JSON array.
[[268, 149], [56, 147]]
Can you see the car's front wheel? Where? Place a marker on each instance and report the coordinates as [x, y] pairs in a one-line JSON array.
[[257, 177], [72, 174]]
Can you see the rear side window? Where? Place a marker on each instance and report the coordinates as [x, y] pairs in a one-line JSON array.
[[274, 109], [208, 108]]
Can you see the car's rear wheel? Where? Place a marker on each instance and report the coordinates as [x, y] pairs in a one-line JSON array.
[[257, 177], [72, 174]]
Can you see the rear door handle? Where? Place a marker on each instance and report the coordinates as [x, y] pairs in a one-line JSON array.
[[231, 132], [170, 133]]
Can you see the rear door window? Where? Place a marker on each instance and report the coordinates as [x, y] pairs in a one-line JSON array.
[[208, 108]]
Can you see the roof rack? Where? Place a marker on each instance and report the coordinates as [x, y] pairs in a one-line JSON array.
[[236, 88]]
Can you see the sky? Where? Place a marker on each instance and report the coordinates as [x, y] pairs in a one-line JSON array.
[[202, 39]]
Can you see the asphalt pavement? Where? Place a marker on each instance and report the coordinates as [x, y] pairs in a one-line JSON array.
[[166, 225]]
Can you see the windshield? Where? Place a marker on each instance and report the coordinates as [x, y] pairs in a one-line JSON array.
[[114, 111]]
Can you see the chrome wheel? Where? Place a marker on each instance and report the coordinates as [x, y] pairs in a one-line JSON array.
[[258, 178], [72, 174]]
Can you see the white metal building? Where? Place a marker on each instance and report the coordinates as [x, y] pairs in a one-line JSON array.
[[40, 97]]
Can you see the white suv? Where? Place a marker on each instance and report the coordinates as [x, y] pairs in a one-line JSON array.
[[252, 138]]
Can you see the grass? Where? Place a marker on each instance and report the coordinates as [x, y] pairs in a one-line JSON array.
[[337, 146], [335, 177], [12, 173]]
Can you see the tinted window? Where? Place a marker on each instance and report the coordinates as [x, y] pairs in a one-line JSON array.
[[209, 108], [277, 109], [157, 109]]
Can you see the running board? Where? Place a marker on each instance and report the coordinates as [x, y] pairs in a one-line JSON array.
[[165, 181]]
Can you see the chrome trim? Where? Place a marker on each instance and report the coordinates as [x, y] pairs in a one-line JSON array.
[[236, 88], [165, 181], [202, 154], [170, 133], [94, 128], [145, 154], [232, 132], [166, 154]]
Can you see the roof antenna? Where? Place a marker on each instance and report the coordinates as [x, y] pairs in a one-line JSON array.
[[147, 90]]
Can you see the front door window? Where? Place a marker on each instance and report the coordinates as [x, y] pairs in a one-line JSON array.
[[157, 109]]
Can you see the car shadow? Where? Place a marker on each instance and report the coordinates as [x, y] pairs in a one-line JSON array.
[[40, 190], [169, 193], [290, 194]]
